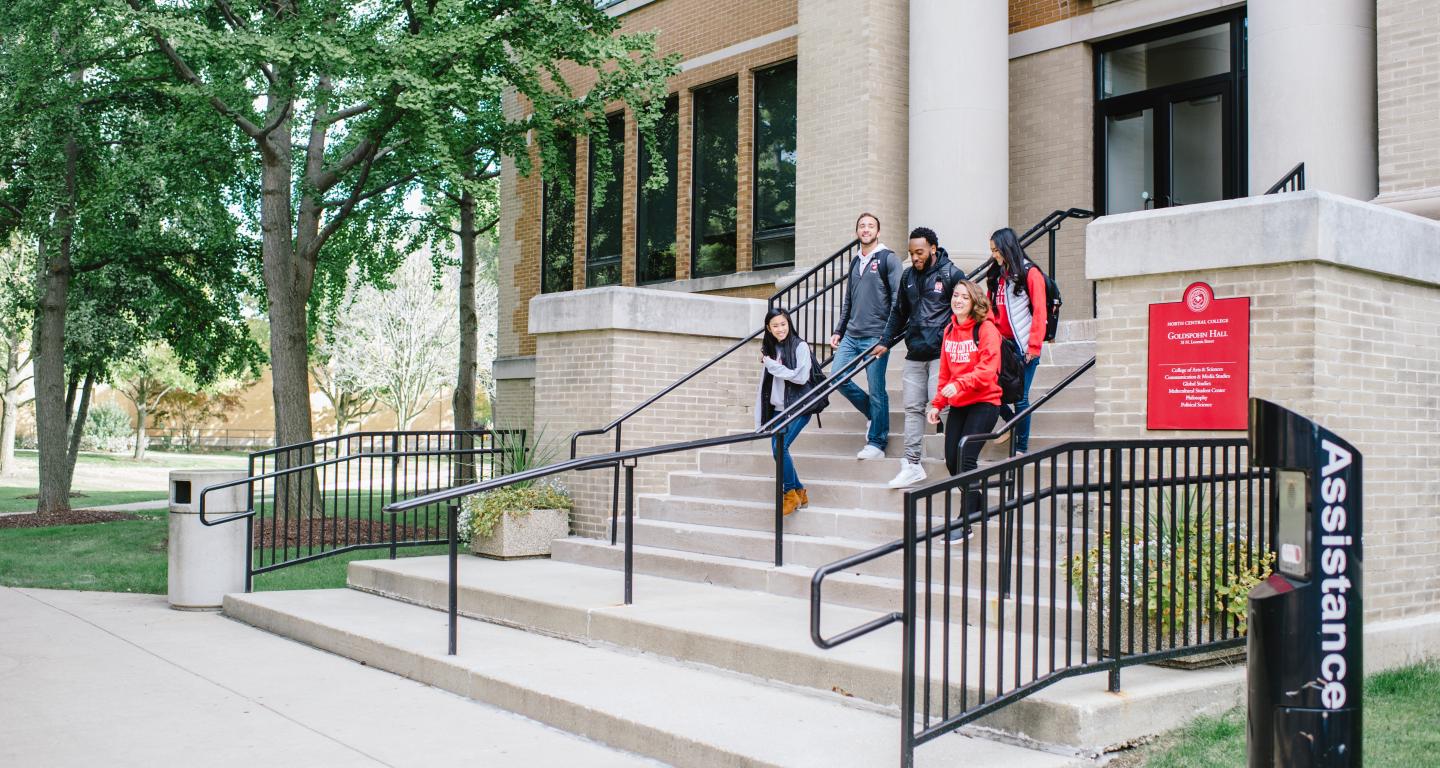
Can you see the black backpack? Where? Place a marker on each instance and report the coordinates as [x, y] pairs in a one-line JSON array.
[[1053, 303], [1012, 367], [817, 379]]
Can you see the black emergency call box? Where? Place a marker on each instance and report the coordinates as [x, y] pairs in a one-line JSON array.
[[1305, 640]]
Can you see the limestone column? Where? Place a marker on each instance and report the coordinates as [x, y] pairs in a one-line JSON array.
[[959, 123], [1312, 94]]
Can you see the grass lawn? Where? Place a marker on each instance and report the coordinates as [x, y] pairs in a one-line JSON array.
[[129, 556], [1401, 713], [155, 459], [13, 499]]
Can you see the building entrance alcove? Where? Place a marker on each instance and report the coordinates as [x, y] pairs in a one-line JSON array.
[[1170, 116]]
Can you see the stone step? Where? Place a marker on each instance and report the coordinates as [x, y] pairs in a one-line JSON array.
[[1048, 422], [766, 637], [857, 525], [969, 603], [811, 466], [815, 551], [680, 714]]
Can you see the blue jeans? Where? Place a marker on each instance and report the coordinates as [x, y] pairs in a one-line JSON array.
[[876, 405], [1022, 430], [791, 480]]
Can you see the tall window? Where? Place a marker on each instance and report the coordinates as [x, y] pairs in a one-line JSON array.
[[602, 254], [655, 217], [717, 141], [775, 166], [557, 236]]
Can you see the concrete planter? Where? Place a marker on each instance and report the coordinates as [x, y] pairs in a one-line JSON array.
[[1193, 635], [523, 534]]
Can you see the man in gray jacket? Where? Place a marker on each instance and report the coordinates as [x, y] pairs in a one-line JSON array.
[[864, 313]]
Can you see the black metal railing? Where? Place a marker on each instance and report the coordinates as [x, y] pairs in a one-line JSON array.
[[1106, 554], [628, 460], [1294, 181], [813, 299], [321, 498]]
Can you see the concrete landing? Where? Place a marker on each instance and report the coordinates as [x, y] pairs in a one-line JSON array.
[[94, 678], [767, 636], [680, 714]]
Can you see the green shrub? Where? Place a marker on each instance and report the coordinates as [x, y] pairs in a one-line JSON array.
[[108, 428], [480, 514]]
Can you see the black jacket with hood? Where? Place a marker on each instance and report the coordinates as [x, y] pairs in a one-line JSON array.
[[922, 308]]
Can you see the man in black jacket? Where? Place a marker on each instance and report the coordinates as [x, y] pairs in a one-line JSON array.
[[922, 310]]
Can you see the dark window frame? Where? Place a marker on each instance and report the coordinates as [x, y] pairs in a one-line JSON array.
[[1231, 87], [696, 228], [642, 235], [757, 235], [546, 187], [614, 196]]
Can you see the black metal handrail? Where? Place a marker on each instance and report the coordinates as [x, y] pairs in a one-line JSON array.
[[817, 579], [324, 497], [823, 278], [1151, 535], [628, 459], [1294, 181]]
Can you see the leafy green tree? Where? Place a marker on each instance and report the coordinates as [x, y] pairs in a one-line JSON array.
[[145, 380], [122, 195], [346, 105]]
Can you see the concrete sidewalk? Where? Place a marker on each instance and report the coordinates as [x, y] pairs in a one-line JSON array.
[[94, 678]]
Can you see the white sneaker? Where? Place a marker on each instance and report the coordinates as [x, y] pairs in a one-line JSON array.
[[870, 452], [911, 473]]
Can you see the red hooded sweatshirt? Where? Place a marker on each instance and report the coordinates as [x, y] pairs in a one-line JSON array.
[[975, 373]]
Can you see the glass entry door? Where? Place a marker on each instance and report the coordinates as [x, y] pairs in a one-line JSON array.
[[1169, 117]]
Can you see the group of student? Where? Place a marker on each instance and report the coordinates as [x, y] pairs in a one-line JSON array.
[[953, 331]]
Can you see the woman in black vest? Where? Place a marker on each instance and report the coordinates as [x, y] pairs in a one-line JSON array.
[[784, 379]]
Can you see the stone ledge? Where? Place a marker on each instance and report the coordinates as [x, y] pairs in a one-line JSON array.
[[1265, 230], [724, 282], [645, 309], [505, 368]]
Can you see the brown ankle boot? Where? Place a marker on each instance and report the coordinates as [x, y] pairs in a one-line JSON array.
[[791, 502], [804, 497]]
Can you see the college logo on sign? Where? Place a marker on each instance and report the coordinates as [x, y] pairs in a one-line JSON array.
[[1198, 297]]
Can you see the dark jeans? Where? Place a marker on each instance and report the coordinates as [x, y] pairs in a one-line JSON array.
[[973, 419], [791, 480], [1022, 430]]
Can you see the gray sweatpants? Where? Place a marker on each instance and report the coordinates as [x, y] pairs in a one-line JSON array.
[[921, 378]]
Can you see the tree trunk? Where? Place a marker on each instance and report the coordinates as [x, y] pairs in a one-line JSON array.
[[139, 432], [463, 400], [9, 409], [77, 428], [51, 413], [288, 277]]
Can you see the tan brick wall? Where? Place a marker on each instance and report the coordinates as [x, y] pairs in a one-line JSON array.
[[1352, 350], [1028, 14], [611, 371], [515, 404], [853, 118], [1408, 76], [1052, 159]]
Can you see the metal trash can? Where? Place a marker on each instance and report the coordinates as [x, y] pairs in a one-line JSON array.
[[206, 562]]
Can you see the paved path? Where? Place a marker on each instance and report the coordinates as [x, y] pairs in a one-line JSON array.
[[96, 678]]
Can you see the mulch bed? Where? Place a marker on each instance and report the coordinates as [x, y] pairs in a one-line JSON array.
[[72, 517], [328, 532]]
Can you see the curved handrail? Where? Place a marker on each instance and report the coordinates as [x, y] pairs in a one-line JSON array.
[[818, 578]]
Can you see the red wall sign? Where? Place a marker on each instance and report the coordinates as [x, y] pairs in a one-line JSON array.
[[1199, 367]]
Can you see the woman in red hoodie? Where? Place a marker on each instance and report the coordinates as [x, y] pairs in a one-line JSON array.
[[969, 382]]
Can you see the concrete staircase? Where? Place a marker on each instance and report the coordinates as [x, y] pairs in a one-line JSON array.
[[712, 664]]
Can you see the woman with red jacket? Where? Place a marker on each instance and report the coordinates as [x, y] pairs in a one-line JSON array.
[[969, 382], [1016, 289]]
